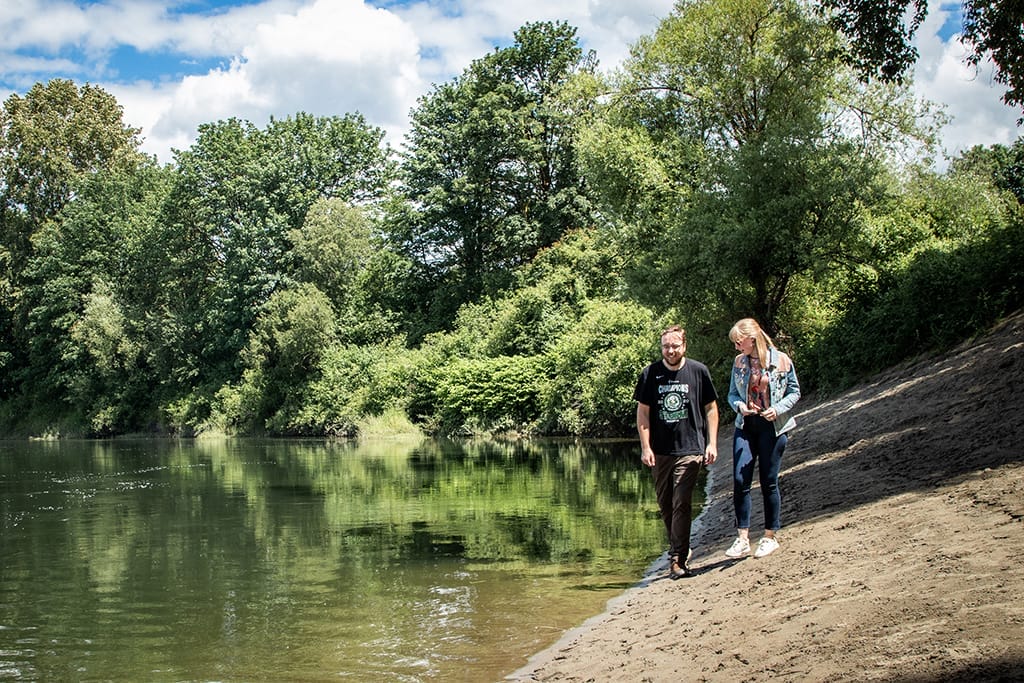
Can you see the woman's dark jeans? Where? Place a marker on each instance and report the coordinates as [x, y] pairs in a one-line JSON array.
[[756, 442]]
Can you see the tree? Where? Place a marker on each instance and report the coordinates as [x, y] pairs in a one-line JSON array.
[[879, 32], [336, 250], [51, 138], [490, 171], [52, 141], [291, 334], [83, 294], [1004, 165], [880, 37], [770, 151], [996, 27], [331, 247], [241, 195]]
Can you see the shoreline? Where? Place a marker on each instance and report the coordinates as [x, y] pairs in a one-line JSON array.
[[903, 529], [656, 571]]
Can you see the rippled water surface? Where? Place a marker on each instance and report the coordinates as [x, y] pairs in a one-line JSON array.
[[300, 560]]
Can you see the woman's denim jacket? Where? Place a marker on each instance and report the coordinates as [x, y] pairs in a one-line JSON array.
[[785, 389]]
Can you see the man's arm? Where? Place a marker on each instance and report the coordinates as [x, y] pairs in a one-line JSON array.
[[711, 416], [643, 428]]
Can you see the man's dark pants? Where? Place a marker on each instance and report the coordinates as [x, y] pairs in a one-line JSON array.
[[674, 479]]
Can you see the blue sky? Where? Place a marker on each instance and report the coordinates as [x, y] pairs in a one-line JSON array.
[[952, 18], [176, 65]]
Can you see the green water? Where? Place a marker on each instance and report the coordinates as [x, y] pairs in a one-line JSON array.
[[302, 561]]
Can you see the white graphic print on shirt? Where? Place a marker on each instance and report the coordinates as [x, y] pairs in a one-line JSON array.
[[673, 401]]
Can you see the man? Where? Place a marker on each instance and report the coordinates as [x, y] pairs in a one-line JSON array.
[[677, 419]]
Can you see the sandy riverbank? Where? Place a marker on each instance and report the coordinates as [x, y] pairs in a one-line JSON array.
[[902, 551]]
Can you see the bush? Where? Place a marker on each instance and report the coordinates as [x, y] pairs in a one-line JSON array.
[[595, 366], [355, 382], [948, 293], [498, 394]]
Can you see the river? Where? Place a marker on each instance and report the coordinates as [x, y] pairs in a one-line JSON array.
[[275, 560]]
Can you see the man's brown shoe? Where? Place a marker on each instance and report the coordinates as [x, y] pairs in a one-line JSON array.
[[678, 571]]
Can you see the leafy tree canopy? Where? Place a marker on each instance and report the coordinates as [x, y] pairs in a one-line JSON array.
[[782, 150], [490, 169], [881, 34], [51, 137]]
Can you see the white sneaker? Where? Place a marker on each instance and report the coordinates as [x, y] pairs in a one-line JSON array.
[[766, 546], [739, 548]]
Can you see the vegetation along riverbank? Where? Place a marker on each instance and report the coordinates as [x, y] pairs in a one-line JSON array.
[[507, 271]]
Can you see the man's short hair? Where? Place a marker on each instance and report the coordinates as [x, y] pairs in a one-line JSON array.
[[674, 329]]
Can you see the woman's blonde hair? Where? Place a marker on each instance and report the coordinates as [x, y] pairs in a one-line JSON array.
[[748, 328]]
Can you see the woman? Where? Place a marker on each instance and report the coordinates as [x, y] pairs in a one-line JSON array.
[[762, 391]]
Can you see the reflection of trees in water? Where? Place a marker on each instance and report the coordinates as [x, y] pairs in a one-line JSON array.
[[545, 501], [213, 541]]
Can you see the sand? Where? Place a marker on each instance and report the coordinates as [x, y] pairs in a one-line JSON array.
[[902, 548]]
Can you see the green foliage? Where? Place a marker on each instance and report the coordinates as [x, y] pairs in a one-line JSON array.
[[553, 291], [594, 368], [390, 424], [503, 352], [949, 287], [336, 251], [101, 333], [494, 394], [731, 71], [1002, 165], [992, 29], [777, 197], [54, 142], [628, 170], [880, 37], [242, 195], [88, 344], [291, 332], [283, 355], [789, 211], [353, 383], [548, 223], [53, 137], [491, 171], [331, 247]]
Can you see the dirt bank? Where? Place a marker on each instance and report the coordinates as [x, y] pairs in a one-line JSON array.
[[902, 551]]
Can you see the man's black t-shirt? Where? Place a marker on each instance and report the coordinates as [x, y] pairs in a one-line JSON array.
[[676, 399]]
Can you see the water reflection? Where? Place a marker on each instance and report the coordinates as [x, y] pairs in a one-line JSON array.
[[301, 560]]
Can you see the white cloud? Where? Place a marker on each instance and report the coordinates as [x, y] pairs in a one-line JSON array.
[[617, 25], [337, 51], [607, 26], [970, 95], [342, 56], [325, 58], [47, 25], [333, 57], [144, 104], [225, 33], [143, 24]]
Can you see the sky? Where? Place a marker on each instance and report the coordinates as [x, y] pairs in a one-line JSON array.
[[178, 64]]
